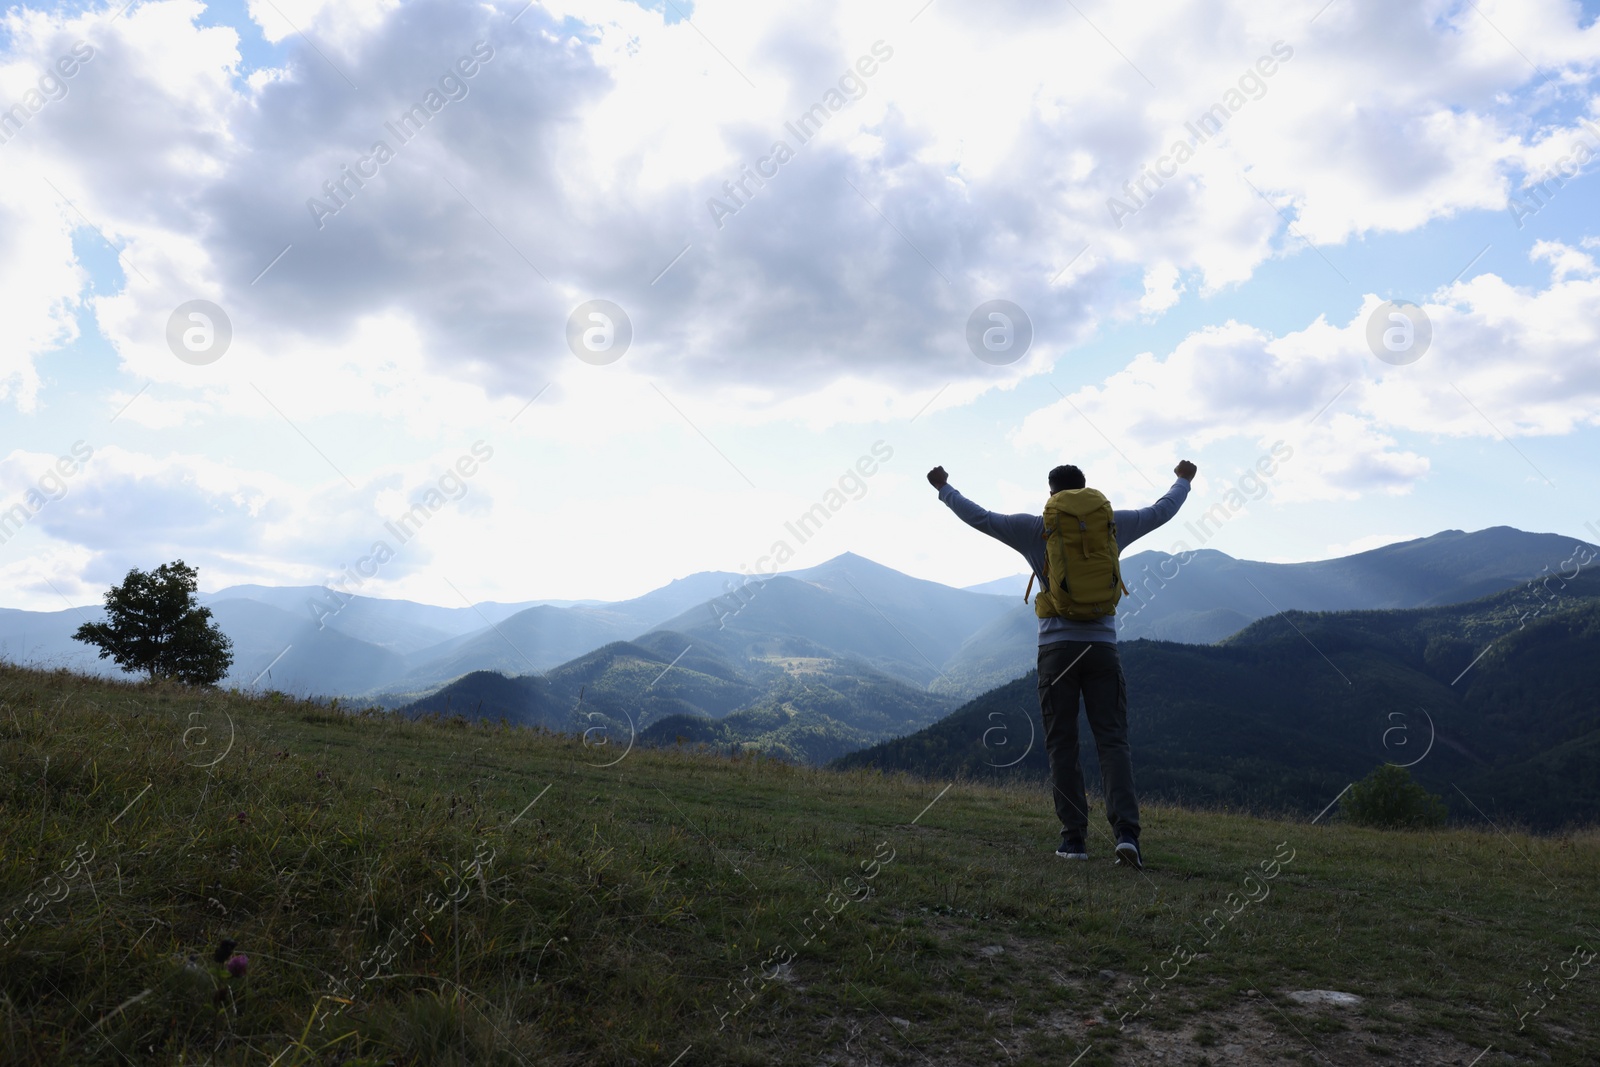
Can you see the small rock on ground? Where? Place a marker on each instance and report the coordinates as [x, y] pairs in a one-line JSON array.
[[1325, 996]]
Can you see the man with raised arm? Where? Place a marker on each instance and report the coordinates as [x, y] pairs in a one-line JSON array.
[[1072, 550]]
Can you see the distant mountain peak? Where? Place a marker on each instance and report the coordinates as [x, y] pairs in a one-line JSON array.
[[1203, 553], [848, 562], [847, 557]]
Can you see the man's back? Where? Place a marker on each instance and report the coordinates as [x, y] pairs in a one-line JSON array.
[[1025, 534]]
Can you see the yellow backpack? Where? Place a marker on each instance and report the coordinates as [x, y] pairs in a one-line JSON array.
[[1082, 579]]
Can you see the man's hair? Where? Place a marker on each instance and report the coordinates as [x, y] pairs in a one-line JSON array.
[[1066, 476]]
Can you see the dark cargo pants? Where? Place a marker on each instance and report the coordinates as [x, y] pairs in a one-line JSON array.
[[1092, 670]]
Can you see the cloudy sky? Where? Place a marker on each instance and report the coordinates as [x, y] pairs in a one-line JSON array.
[[277, 274]]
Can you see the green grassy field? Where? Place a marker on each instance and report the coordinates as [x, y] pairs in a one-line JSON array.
[[446, 893]]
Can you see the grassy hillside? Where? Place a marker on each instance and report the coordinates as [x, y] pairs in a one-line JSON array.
[[441, 893], [805, 704], [816, 712], [613, 685]]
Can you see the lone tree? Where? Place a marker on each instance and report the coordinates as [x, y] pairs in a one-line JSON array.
[[1388, 798], [154, 624]]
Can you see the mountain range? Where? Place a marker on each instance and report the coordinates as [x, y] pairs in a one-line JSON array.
[[956, 643], [1490, 703], [1205, 596], [1231, 662], [824, 660]]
